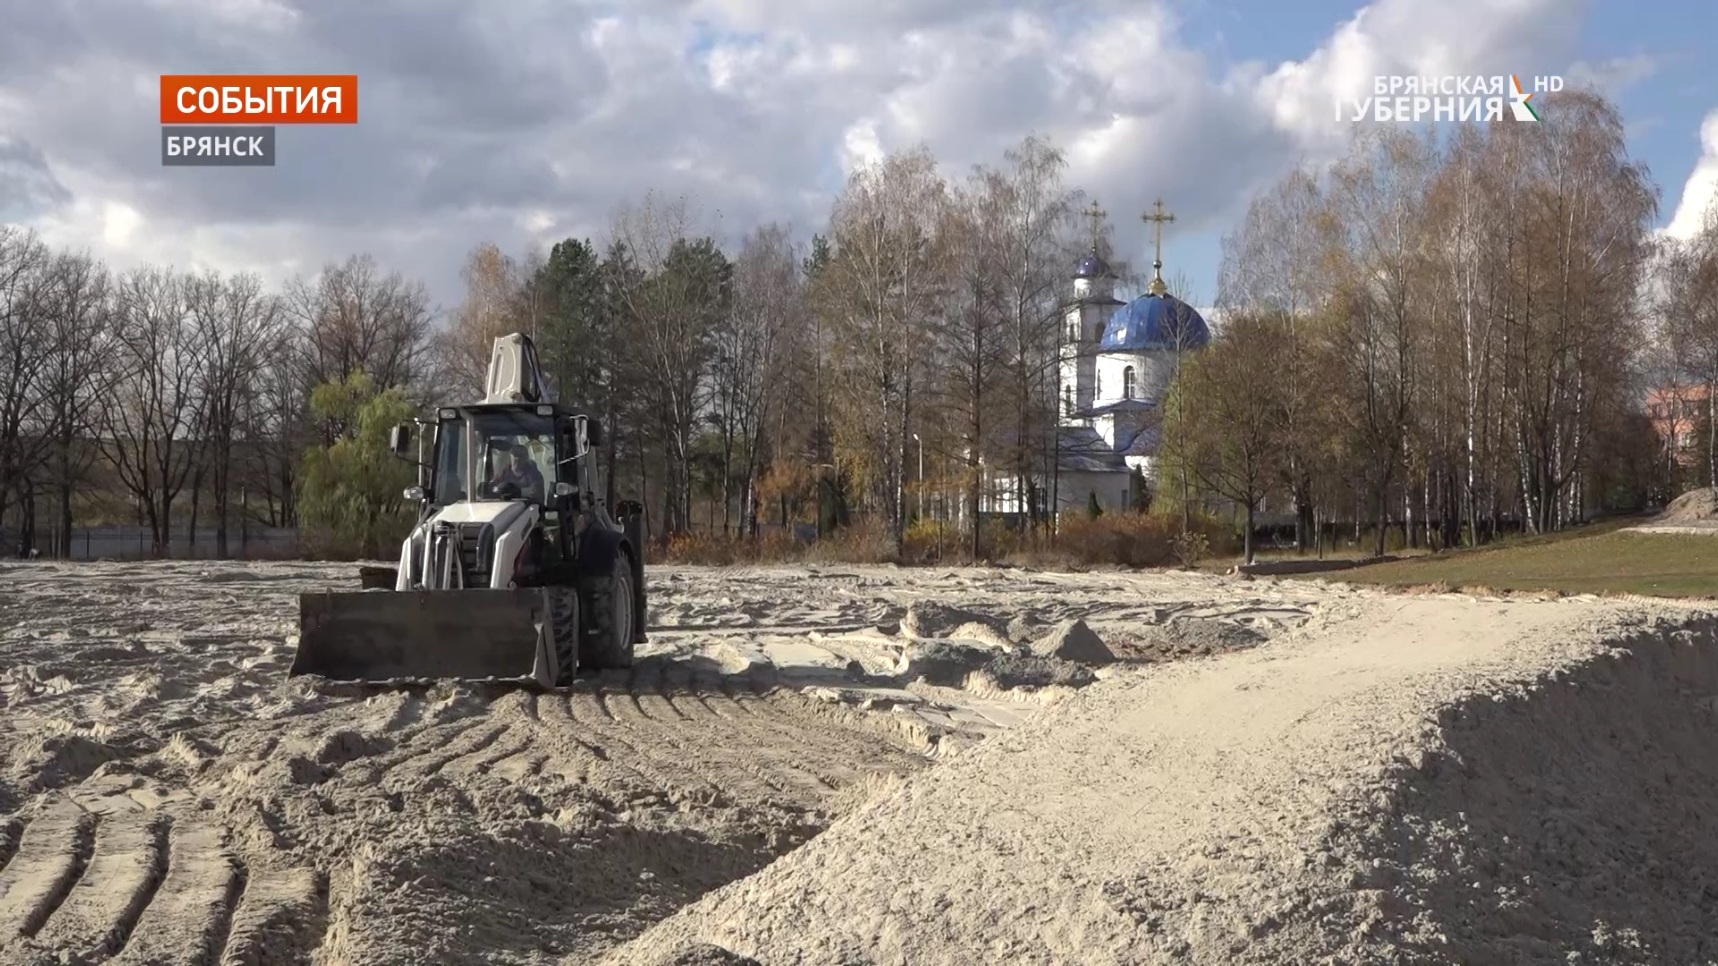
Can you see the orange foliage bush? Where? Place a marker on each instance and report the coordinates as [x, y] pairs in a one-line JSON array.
[[1119, 539]]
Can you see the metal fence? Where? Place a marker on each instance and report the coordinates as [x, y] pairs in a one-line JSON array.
[[133, 543]]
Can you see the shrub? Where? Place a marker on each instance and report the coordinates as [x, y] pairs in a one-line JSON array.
[[865, 541], [350, 497], [931, 540], [1190, 548], [1128, 539], [716, 549], [1132, 539]]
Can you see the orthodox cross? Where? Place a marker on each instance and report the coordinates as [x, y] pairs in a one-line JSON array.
[[1096, 214], [1159, 216]]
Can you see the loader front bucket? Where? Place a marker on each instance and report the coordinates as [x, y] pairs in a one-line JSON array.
[[384, 636]]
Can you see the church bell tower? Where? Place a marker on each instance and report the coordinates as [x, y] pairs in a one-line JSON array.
[[1083, 326]]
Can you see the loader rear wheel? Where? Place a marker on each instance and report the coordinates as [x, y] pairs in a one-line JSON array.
[[564, 613], [606, 605]]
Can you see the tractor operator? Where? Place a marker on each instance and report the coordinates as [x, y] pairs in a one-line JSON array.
[[523, 473]]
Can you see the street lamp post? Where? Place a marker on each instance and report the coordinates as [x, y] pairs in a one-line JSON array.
[[921, 443]]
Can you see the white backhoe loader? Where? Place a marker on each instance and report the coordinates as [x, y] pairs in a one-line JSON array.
[[514, 570]]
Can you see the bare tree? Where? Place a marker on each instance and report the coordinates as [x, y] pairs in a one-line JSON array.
[[1035, 241], [885, 284], [151, 418], [973, 335], [26, 353], [78, 373], [497, 290], [673, 305], [238, 326], [274, 420], [1230, 438], [353, 317], [1379, 193], [1272, 264], [749, 359], [1689, 302]]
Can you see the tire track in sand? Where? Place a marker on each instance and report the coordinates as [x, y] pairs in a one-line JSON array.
[[595, 721], [426, 764], [281, 918], [51, 855], [577, 760], [100, 912], [811, 757], [748, 763], [515, 738], [847, 754], [10, 830], [188, 922]]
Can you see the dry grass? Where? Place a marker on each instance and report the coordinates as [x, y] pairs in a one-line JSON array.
[[1605, 558]]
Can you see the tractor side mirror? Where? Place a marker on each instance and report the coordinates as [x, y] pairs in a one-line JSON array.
[[593, 432], [400, 439]]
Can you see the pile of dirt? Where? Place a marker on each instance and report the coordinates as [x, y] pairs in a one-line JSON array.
[[1035, 671], [936, 619], [1432, 780], [1184, 638], [1694, 507], [1074, 641]]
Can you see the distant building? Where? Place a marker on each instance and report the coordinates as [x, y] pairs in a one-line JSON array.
[[1677, 412], [1117, 361]]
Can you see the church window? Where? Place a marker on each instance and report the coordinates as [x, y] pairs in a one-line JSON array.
[[1068, 399], [1127, 383], [1074, 331]]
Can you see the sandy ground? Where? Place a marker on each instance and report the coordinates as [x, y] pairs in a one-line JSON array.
[[867, 766], [168, 796], [1401, 780]]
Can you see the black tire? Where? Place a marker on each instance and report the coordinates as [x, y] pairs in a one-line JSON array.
[[606, 608], [563, 611]]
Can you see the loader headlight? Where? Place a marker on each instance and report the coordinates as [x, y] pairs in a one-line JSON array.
[[449, 414], [415, 494], [545, 410]]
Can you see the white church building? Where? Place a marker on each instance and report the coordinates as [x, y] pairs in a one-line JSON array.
[[1117, 361]]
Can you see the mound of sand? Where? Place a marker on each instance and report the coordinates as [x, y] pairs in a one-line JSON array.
[[1074, 641], [1034, 671], [1430, 780], [1696, 506], [1694, 512], [1184, 638], [934, 619]]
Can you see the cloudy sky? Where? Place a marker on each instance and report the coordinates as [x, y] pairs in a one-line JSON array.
[[525, 121]]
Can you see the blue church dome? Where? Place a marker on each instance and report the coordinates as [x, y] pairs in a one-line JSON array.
[[1093, 266], [1155, 322]]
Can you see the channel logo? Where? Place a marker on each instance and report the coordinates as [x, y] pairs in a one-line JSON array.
[[227, 120]]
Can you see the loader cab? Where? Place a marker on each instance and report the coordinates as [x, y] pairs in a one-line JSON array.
[[496, 453]]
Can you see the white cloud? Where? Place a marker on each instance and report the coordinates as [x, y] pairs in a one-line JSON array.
[[1700, 192], [1611, 76], [545, 116], [119, 222]]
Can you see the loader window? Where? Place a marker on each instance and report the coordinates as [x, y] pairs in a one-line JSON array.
[[450, 486], [518, 455], [515, 457]]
